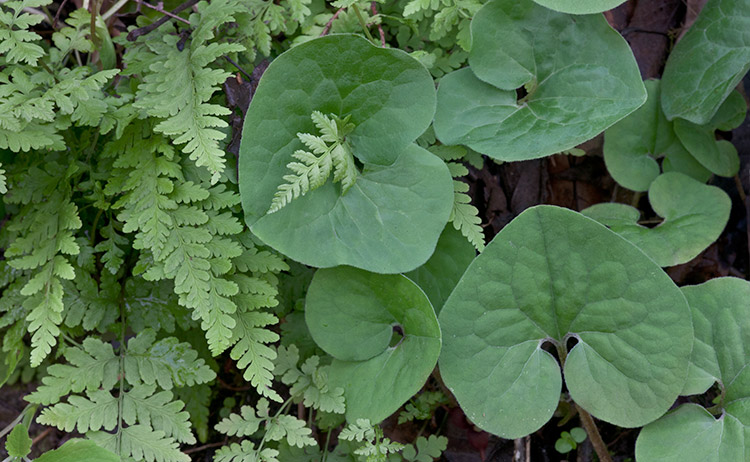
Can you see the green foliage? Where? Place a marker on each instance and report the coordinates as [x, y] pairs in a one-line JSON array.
[[694, 215], [707, 63], [553, 275], [313, 171], [580, 6], [563, 106], [78, 451], [351, 315], [570, 440], [692, 433], [376, 447], [390, 220], [422, 407], [18, 443]]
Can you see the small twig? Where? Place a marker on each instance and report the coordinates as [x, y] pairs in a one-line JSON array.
[[57, 14], [330, 22], [249, 77], [42, 435], [740, 189], [380, 26], [596, 439], [135, 33], [164, 12], [204, 447]]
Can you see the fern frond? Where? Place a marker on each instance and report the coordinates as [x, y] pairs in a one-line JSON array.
[[244, 424], [98, 411], [181, 82], [157, 410], [291, 429], [242, 452], [465, 217], [141, 442], [89, 368], [252, 352], [16, 41], [312, 171], [165, 362]]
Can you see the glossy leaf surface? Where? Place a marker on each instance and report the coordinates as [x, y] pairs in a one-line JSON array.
[[694, 217], [549, 276], [721, 312], [579, 74], [355, 316], [390, 220], [708, 62]]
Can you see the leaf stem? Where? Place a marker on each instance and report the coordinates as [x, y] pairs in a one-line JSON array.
[[596, 439], [362, 23]]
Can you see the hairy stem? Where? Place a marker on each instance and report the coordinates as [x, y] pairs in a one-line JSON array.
[[362, 23], [596, 439]]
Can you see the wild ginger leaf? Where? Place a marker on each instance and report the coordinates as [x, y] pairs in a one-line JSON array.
[[392, 208], [691, 433], [694, 216], [708, 62], [580, 6], [79, 451], [517, 44], [628, 364], [351, 315]]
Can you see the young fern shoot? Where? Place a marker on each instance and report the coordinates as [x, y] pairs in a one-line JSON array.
[[330, 151]]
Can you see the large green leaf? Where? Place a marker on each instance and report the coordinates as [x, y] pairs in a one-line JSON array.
[[79, 451], [708, 62], [694, 217], [719, 157], [632, 145], [353, 315], [579, 73], [390, 220], [445, 267], [580, 6], [721, 311], [552, 276]]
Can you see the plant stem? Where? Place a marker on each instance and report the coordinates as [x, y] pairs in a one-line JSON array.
[[328, 25], [15, 422], [114, 9], [362, 23], [325, 448], [596, 439]]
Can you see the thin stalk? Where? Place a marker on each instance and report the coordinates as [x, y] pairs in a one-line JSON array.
[[325, 448], [114, 9], [15, 422], [362, 23], [121, 394], [283, 408], [740, 189], [93, 226], [596, 439]]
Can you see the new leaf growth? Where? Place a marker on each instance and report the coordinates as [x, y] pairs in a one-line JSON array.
[[333, 153]]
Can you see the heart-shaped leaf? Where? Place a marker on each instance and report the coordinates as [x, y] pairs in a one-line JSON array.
[[694, 217], [632, 146], [579, 75], [580, 6], [445, 267], [708, 62], [551, 276], [721, 311], [354, 316], [389, 221], [719, 157]]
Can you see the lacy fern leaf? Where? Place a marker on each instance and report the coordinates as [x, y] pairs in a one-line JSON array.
[[16, 41], [328, 152]]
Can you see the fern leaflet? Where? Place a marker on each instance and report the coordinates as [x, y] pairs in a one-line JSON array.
[[330, 151]]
